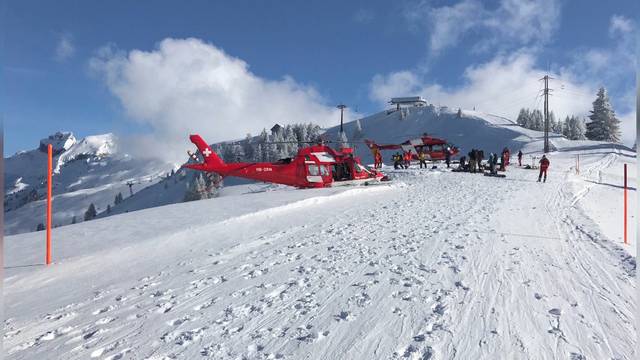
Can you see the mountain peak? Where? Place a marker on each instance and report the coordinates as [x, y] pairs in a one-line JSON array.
[[61, 141]]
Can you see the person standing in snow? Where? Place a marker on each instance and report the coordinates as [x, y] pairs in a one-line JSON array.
[[407, 159], [479, 158], [472, 160], [519, 157], [447, 156], [494, 169], [377, 158], [396, 160], [422, 157], [544, 165], [505, 158]]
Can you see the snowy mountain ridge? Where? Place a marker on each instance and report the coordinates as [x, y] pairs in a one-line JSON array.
[[89, 170]]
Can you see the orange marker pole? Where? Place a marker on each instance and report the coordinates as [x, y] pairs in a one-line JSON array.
[[49, 171], [625, 204]]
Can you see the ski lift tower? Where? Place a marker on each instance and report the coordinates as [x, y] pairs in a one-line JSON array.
[[130, 184], [341, 107]]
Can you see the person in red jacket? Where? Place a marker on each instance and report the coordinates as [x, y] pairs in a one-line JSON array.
[[378, 160], [407, 159], [544, 165]]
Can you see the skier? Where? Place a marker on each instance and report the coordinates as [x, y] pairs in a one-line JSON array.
[[519, 157], [422, 157], [544, 165], [447, 156]]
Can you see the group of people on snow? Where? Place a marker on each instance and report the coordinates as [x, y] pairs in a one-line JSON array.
[[473, 162], [402, 161]]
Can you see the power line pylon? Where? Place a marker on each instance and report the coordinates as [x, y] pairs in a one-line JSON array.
[[546, 79]]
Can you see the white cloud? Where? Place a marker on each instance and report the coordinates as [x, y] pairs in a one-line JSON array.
[[188, 86], [501, 86], [65, 48], [620, 24], [509, 82], [511, 23]]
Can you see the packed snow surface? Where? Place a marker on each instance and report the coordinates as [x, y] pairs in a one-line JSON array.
[[435, 265]]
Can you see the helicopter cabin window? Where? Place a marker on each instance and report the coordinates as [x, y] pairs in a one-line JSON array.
[[313, 170], [324, 170], [437, 148]]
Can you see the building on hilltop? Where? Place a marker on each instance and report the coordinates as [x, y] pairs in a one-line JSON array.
[[408, 101]]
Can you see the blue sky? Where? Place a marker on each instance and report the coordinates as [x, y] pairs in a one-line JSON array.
[[68, 65]]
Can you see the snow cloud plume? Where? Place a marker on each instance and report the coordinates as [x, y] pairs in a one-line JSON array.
[[512, 22], [188, 86]]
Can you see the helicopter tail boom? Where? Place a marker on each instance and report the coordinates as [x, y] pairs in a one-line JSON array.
[[212, 161]]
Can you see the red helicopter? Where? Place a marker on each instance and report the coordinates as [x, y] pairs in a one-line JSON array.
[[434, 148], [314, 166]]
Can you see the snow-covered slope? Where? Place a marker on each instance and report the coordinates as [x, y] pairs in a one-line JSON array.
[[473, 129], [90, 170], [436, 265]]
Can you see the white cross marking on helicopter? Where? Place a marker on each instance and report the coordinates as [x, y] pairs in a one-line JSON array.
[[206, 152]]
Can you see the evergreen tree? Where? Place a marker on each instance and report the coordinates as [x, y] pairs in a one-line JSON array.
[[118, 199], [73, 219], [91, 213], [258, 153], [291, 141], [40, 227], [524, 118], [459, 113], [195, 188], [536, 120], [109, 209], [248, 148], [573, 128], [555, 126], [566, 130], [604, 126]]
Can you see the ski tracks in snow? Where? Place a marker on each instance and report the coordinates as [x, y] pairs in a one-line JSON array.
[[437, 266]]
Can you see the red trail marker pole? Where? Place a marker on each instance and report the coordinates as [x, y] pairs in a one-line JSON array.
[[49, 170], [625, 205]]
